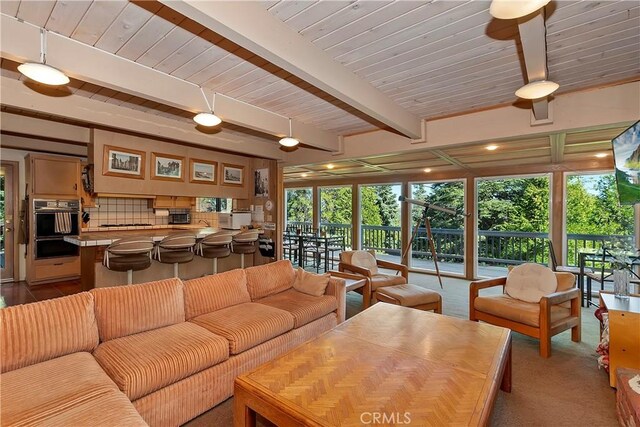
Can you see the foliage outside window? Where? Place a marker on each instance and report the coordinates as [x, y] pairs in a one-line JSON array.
[[447, 229], [336, 212], [380, 219], [213, 204], [299, 205], [595, 216]]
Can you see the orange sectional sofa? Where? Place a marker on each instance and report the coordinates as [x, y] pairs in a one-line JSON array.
[[157, 353]]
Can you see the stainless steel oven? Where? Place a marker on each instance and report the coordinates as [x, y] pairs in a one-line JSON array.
[[55, 219]]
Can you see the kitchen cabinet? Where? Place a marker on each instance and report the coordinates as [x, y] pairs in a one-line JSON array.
[[53, 176], [87, 196], [172, 202]]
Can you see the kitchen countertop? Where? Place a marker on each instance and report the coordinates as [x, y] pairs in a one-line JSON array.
[[104, 238]]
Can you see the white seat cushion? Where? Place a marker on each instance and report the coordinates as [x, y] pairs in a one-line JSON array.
[[530, 282], [364, 259]]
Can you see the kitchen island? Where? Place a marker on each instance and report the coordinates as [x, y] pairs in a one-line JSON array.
[[93, 274]]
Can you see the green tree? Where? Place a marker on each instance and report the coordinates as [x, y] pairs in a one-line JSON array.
[[299, 205], [336, 205]]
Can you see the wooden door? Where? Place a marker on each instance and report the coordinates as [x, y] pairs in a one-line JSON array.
[[55, 176], [9, 220]]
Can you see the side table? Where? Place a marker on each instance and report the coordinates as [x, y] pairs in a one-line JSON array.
[[356, 283], [624, 333]]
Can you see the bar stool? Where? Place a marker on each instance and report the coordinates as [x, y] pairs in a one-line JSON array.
[[129, 254], [176, 249], [215, 246], [244, 243]]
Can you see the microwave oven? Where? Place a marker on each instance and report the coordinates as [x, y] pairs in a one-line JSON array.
[[234, 220]]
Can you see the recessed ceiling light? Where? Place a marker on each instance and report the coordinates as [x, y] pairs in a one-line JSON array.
[[330, 166], [491, 147], [427, 170], [511, 9], [304, 175], [602, 155], [537, 89]]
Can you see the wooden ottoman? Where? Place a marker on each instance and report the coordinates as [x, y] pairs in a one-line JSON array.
[[410, 296], [627, 400]]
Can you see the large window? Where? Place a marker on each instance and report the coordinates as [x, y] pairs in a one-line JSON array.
[[513, 223], [299, 209], [447, 229], [380, 213], [594, 215], [336, 212]]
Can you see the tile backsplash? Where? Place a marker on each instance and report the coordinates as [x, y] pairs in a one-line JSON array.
[[210, 218], [124, 211]]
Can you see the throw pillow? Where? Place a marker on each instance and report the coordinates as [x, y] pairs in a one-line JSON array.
[[364, 259], [530, 282], [311, 284]]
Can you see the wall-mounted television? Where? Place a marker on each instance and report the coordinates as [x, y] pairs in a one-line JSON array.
[[626, 153]]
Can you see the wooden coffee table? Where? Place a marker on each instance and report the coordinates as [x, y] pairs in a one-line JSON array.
[[410, 366]]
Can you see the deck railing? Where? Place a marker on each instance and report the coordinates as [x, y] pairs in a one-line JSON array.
[[495, 248]]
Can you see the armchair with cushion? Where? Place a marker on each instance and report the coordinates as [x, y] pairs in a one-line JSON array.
[[366, 264], [535, 301]]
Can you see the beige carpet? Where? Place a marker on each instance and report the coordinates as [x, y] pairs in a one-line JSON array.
[[564, 390]]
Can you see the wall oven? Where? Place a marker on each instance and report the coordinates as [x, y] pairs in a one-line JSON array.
[[55, 219]]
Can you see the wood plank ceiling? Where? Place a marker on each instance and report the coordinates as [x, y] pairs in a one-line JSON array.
[[432, 58]]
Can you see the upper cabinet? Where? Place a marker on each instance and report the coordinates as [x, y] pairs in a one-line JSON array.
[[52, 175], [169, 202]]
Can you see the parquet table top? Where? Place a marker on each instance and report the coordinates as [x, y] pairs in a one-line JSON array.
[[392, 360]]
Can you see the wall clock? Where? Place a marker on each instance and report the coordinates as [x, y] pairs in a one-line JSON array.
[[268, 205]]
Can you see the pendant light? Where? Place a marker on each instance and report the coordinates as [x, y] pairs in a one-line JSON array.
[[512, 9], [289, 141], [537, 89], [41, 72], [208, 119]]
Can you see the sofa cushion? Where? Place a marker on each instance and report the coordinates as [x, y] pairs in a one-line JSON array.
[[311, 284], [128, 310], [211, 293], [40, 331], [246, 325], [529, 282], [366, 260], [68, 390], [518, 311], [303, 307], [142, 363], [269, 279], [380, 280]]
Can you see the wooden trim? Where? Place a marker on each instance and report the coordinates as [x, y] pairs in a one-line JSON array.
[[406, 224], [231, 166], [207, 162], [470, 252], [355, 218], [154, 175], [105, 162], [15, 200], [557, 215], [280, 209], [43, 138]]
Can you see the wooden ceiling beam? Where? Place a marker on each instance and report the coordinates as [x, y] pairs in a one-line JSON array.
[[251, 26], [18, 95], [557, 141], [534, 49], [21, 42]]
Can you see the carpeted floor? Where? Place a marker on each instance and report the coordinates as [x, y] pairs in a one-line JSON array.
[[565, 390]]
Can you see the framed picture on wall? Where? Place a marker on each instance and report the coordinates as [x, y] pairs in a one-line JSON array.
[[123, 162], [232, 174], [261, 182], [167, 167], [202, 171]]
